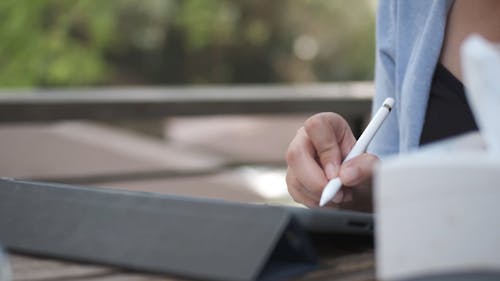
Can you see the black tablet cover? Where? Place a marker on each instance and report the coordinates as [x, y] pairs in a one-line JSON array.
[[189, 237]]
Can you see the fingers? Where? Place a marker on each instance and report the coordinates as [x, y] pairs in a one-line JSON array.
[[332, 139], [358, 170], [315, 156], [303, 165], [356, 175], [299, 193]]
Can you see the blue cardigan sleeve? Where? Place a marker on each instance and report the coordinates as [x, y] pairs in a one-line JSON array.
[[386, 141]]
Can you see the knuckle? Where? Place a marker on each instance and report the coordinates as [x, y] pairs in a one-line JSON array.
[[295, 147], [314, 122], [293, 153]]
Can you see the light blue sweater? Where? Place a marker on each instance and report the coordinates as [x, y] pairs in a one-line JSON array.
[[409, 38]]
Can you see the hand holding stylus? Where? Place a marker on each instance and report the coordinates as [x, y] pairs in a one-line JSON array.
[[315, 156], [364, 140]]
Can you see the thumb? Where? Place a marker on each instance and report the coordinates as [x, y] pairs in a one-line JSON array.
[[358, 170]]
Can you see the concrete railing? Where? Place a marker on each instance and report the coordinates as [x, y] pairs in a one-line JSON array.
[[352, 100]]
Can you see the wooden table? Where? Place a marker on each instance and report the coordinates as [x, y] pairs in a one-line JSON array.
[[352, 261], [359, 267]]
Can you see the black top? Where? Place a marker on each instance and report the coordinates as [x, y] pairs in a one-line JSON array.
[[448, 113]]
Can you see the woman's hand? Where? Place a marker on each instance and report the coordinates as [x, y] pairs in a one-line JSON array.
[[314, 157]]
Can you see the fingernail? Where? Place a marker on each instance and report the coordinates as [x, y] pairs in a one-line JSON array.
[[338, 197], [331, 171], [350, 174]]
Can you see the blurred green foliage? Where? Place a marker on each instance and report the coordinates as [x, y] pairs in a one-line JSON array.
[[47, 43]]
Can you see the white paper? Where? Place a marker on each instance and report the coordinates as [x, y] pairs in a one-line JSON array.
[[481, 73]]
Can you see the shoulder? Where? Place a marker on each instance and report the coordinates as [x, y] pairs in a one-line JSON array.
[[402, 24], [409, 14]]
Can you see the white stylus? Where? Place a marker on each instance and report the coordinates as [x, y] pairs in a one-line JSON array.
[[362, 143]]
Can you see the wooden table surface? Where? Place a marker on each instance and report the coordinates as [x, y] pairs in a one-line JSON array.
[[352, 267]]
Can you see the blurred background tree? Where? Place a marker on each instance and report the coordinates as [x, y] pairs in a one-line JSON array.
[[50, 43]]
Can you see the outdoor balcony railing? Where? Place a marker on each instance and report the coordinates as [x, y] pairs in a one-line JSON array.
[[352, 99]]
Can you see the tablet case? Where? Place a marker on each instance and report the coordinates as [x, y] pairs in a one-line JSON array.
[[195, 238]]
